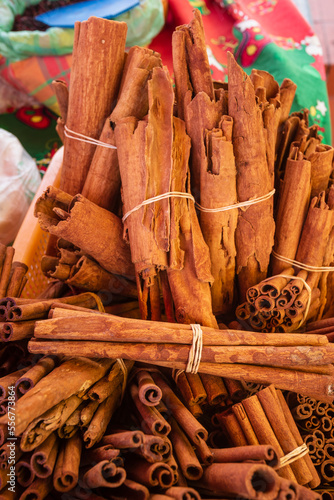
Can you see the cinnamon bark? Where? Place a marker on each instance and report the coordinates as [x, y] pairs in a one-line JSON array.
[[286, 439], [321, 168], [88, 275], [244, 453], [292, 209], [106, 474], [55, 387], [133, 96], [189, 274], [255, 230], [103, 179], [101, 44], [152, 421], [238, 479], [264, 431], [12, 332], [218, 189], [40, 428], [43, 366], [94, 230], [44, 457], [66, 471], [18, 273], [149, 393], [101, 418], [187, 459], [5, 271]]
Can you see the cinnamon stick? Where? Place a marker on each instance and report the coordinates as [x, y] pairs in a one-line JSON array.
[[94, 230], [66, 471], [101, 44], [55, 387]]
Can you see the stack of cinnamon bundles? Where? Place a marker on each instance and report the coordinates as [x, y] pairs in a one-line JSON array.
[[190, 257]]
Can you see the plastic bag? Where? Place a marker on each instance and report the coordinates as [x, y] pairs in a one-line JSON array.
[[19, 180]]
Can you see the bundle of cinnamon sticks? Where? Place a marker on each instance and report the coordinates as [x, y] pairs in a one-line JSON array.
[[301, 362]]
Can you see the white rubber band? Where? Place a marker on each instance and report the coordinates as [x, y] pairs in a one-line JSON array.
[[195, 352], [294, 455], [85, 138], [236, 205], [171, 194], [305, 267]]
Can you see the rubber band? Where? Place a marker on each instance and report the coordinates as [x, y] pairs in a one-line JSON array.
[[236, 205], [171, 194], [195, 353], [294, 455], [85, 138], [124, 369], [307, 287], [305, 267], [98, 301]]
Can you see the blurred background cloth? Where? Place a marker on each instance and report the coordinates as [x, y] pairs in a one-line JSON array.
[[271, 35]]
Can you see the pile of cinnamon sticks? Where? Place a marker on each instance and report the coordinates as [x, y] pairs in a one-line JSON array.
[[74, 437], [204, 203]]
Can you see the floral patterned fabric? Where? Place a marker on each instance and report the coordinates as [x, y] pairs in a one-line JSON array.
[[270, 35]]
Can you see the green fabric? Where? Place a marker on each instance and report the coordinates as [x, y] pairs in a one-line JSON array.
[[144, 22]]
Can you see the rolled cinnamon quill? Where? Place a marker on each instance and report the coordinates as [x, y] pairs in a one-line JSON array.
[[155, 474], [86, 226], [38, 489], [8, 255], [245, 453], [43, 366], [183, 493], [44, 457], [24, 472], [249, 480], [255, 230], [15, 285], [41, 427], [89, 275], [79, 373], [148, 392], [155, 449], [285, 437], [10, 331], [66, 473], [106, 327], [288, 357], [107, 474], [123, 440], [101, 44], [101, 418], [183, 417], [292, 209], [152, 421]]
